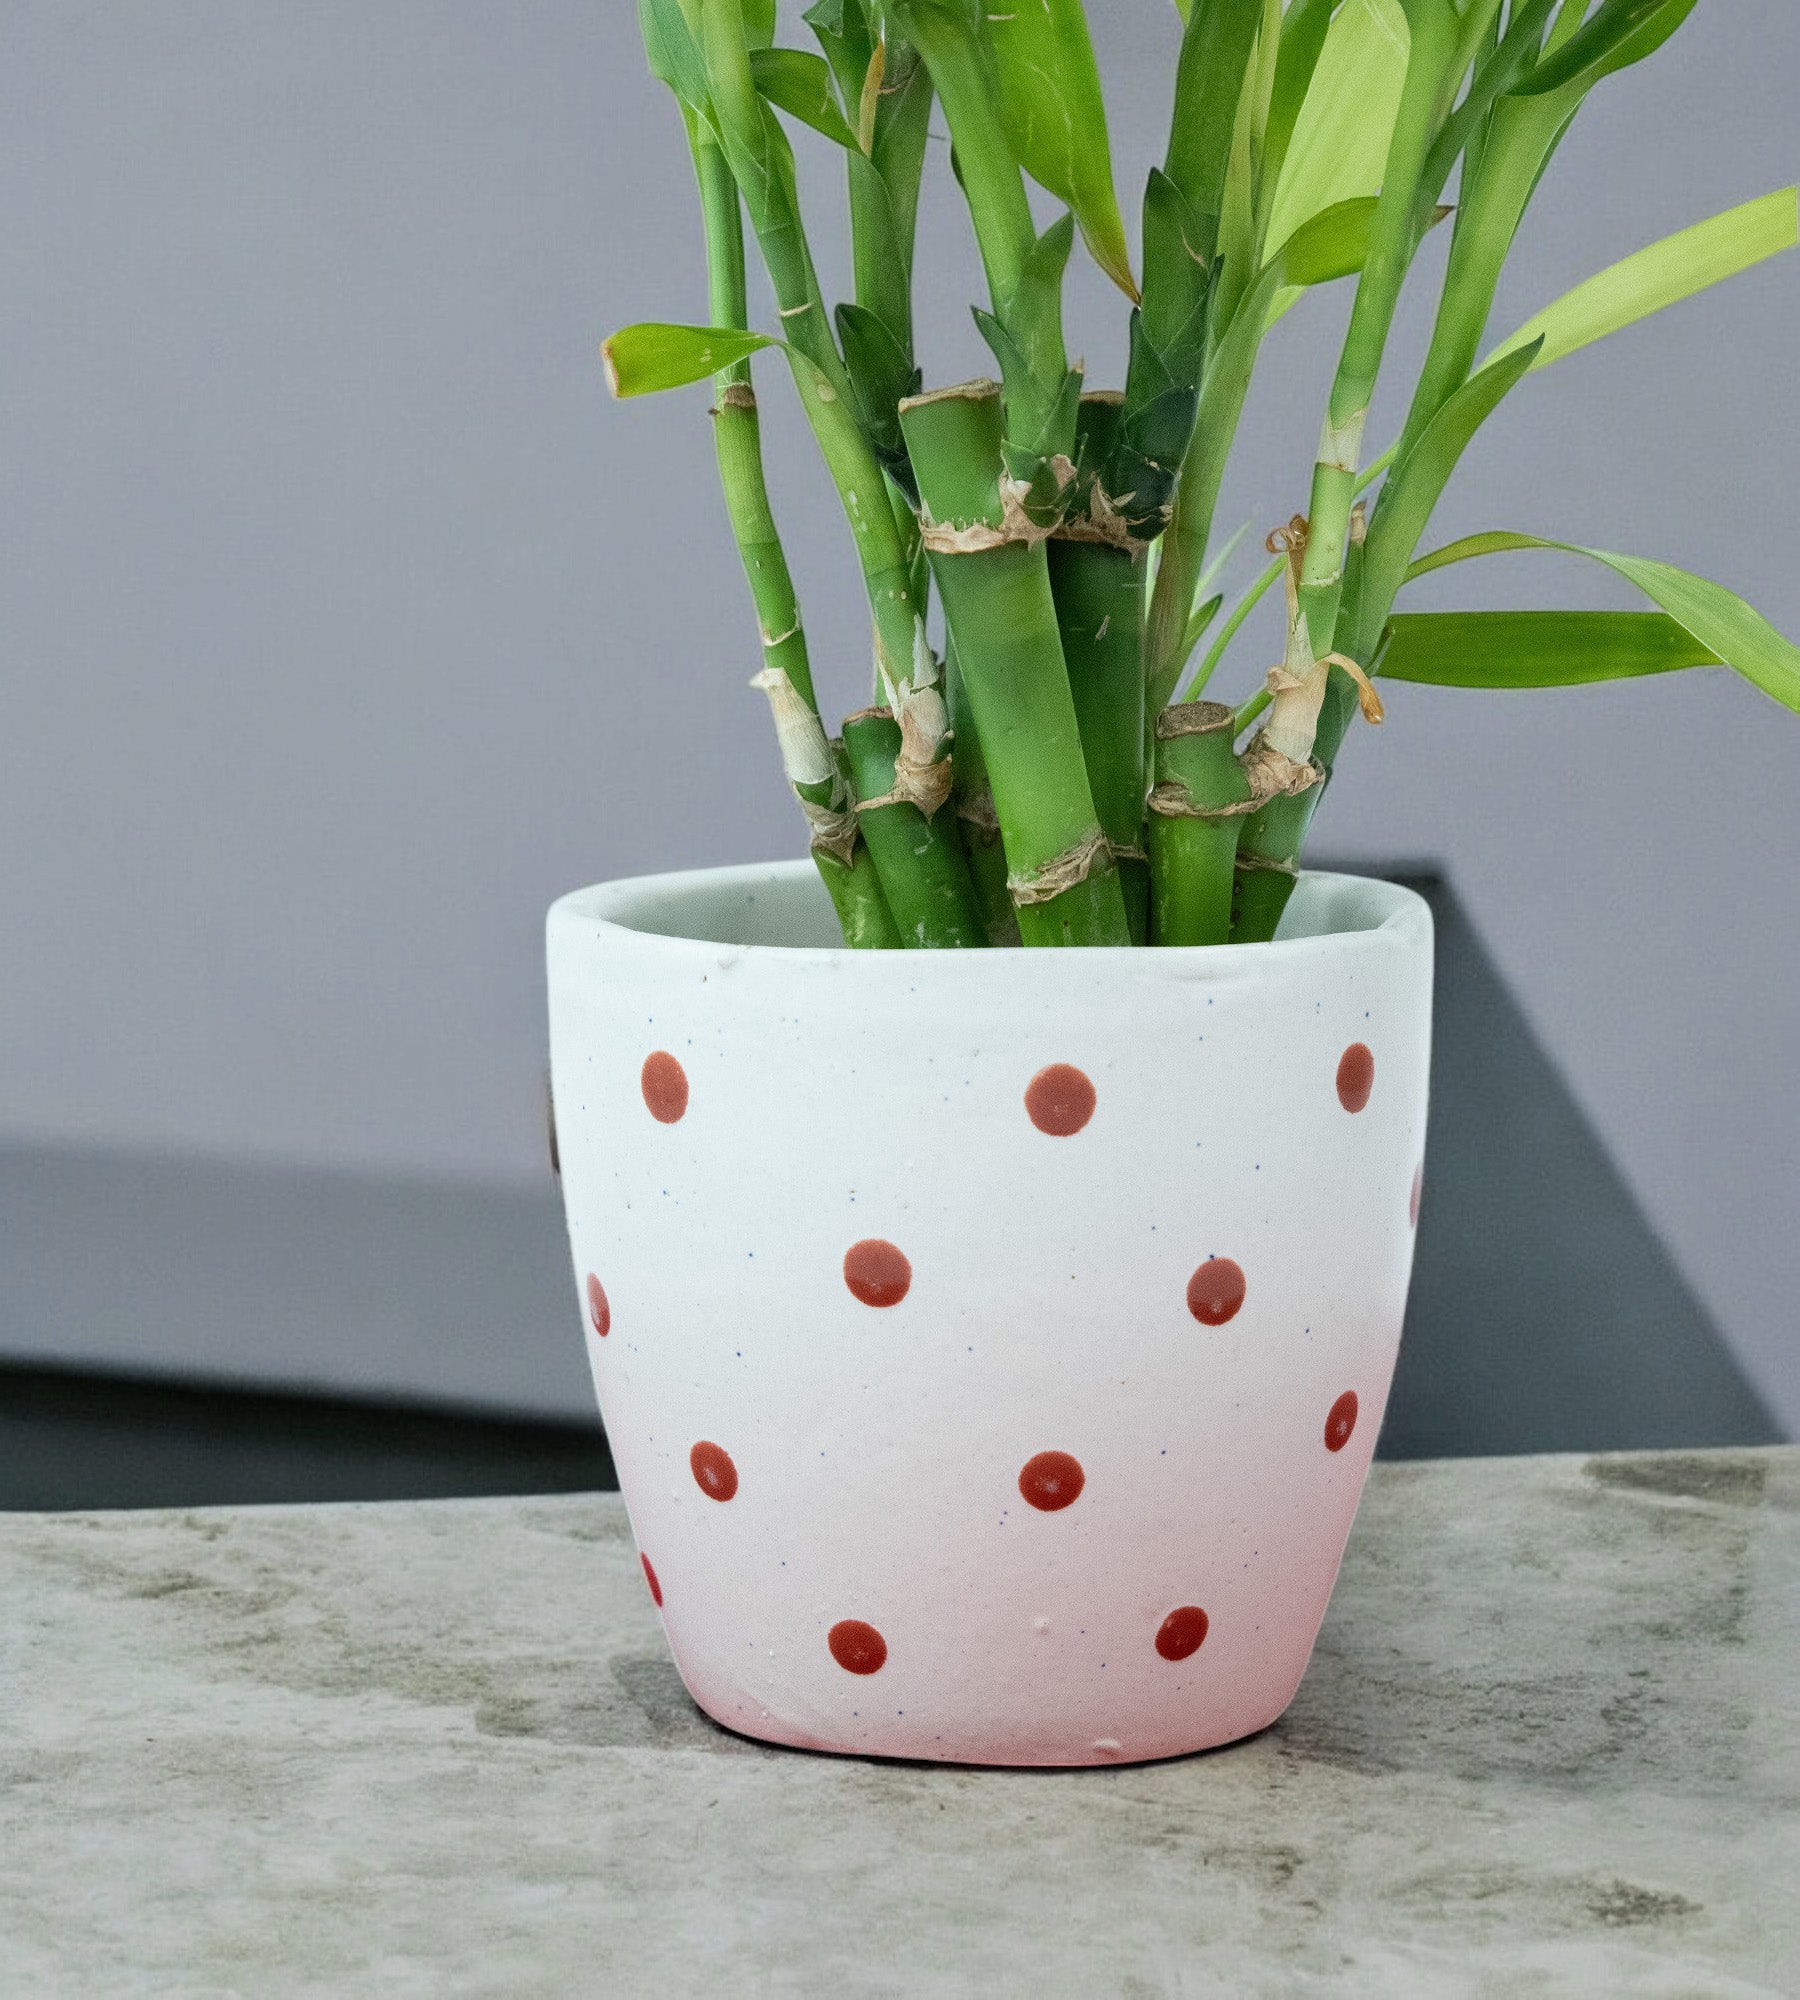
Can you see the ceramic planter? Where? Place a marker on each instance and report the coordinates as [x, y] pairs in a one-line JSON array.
[[992, 1344]]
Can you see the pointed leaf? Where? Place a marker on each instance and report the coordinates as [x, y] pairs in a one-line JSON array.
[[1346, 122], [1218, 47], [1303, 32], [1621, 32], [1416, 484], [654, 355], [1536, 649], [1662, 274], [1056, 119], [1716, 617], [673, 52], [799, 83]]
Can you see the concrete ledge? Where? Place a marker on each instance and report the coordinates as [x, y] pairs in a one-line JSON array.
[[1548, 1744]]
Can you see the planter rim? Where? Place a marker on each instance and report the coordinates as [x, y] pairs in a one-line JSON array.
[[1350, 911]]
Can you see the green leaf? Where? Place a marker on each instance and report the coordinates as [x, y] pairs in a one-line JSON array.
[[1621, 32], [1662, 274], [1203, 616], [844, 33], [881, 375], [1330, 245], [1716, 618], [800, 84], [1056, 119], [1346, 121], [1536, 649], [1303, 31], [759, 23], [654, 355], [1417, 483], [1218, 47], [673, 53]]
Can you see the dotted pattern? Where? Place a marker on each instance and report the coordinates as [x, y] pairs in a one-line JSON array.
[[1356, 1076], [1052, 1481], [1060, 1100], [877, 1272], [665, 1087]]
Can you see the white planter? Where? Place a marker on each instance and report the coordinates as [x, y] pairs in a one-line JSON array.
[[864, 1313]]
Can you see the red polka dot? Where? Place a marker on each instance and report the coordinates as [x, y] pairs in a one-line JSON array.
[[650, 1579], [1356, 1076], [713, 1468], [856, 1647], [1418, 1189], [599, 1312], [1340, 1421], [665, 1086], [1215, 1291], [1182, 1633], [1052, 1480], [1060, 1100], [877, 1272]]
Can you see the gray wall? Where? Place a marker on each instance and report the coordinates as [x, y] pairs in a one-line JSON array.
[[345, 622]]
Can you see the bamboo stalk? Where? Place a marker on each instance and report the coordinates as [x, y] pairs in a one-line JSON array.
[[1097, 581], [819, 787], [762, 165], [994, 579], [976, 819], [1436, 44], [1196, 810], [1272, 838], [918, 856]]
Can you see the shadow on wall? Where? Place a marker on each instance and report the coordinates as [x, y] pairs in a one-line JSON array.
[[324, 1337]]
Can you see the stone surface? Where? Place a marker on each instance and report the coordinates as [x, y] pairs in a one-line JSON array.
[[1549, 1744]]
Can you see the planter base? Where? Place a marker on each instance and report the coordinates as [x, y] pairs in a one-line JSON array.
[[991, 1344]]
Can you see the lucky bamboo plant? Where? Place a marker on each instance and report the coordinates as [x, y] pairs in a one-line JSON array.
[[1041, 766]]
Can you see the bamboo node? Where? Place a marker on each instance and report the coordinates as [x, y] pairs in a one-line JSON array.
[[834, 830], [1172, 800], [1193, 718], [1275, 775], [972, 538], [736, 396], [1103, 521], [1061, 872], [1282, 680]]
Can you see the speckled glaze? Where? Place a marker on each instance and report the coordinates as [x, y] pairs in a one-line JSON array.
[[992, 1344]]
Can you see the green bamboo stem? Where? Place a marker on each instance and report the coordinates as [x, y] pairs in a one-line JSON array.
[[787, 673], [1039, 397], [884, 205], [1197, 808], [1268, 864], [946, 38], [976, 820], [856, 894], [1099, 596], [1270, 844], [1097, 581], [994, 580], [924, 874], [1436, 46], [762, 165], [1500, 175]]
